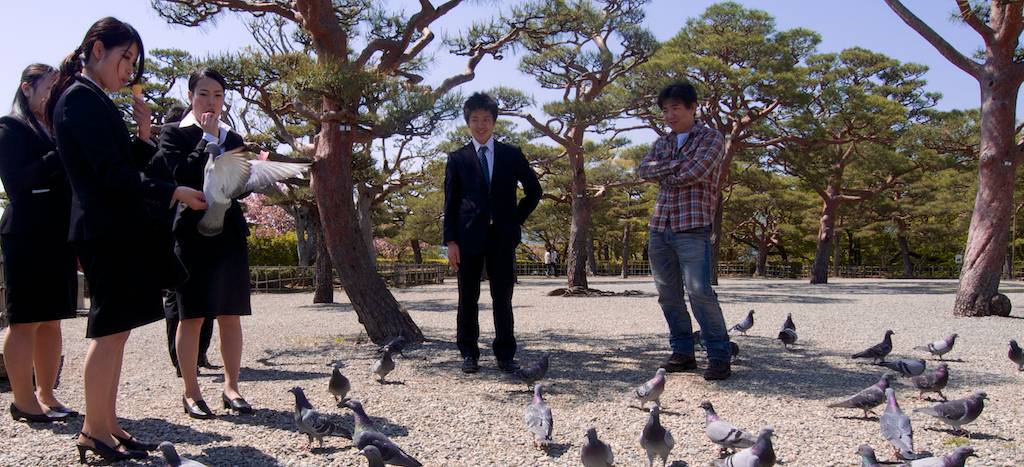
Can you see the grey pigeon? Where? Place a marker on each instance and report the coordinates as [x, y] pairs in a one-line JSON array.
[[906, 367], [383, 366], [940, 347], [652, 389], [366, 434], [396, 344], [1016, 355], [958, 412], [228, 175], [724, 433], [596, 453], [788, 337], [534, 372], [656, 439], [372, 455], [745, 325], [761, 454], [339, 386], [933, 381], [955, 459], [789, 322], [896, 428], [174, 460], [868, 398], [867, 456], [312, 423], [878, 352], [538, 419]]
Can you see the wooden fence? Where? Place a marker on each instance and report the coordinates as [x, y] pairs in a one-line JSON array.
[[301, 278]]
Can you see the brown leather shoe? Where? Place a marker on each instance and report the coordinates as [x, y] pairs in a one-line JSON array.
[[717, 370], [679, 362]]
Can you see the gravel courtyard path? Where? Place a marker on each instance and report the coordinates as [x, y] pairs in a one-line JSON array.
[[600, 348]]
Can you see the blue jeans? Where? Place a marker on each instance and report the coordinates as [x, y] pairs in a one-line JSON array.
[[682, 261]]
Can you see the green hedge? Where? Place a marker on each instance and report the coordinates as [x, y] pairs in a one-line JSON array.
[[281, 250]]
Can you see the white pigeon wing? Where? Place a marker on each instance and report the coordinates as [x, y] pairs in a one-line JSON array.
[[231, 171], [264, 173]]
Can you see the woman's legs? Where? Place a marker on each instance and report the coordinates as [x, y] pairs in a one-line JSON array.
[[231, 352], [46, 358], [101, 375], [18, 351], [188, 355]]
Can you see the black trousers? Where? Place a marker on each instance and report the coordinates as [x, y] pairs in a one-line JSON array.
[[171, 317], [500, 265]]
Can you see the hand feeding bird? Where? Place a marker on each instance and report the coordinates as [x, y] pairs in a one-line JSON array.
[[339, 386], [724, 434], [366, 434], [761, 454], [534, 372], [656, 440], [651, 390], [384, 365], [745, 325], [228, 175], [174, 460], [957, 412], [869, 397], [906, 367], [934, 381], [940, 347], [896, 428], [537, 417], [879, 351], [313, 424], [596, 453], [958, 458]]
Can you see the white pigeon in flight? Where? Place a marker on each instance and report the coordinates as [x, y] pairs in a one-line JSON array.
[[228, 175]]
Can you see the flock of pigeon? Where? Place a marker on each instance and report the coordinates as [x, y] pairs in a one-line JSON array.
[[737, 447]]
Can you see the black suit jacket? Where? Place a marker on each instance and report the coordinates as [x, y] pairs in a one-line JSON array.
[[39, 196], [469, 207], [183, 151]]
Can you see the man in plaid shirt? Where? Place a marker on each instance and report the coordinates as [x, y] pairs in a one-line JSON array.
[[686, 164]]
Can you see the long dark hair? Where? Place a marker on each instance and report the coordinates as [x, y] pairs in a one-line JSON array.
[[20, 108], [109, 31], [197, 76]]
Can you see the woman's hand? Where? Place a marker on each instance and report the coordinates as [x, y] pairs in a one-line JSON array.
[[143, 117], [208, 121], [192, 198]]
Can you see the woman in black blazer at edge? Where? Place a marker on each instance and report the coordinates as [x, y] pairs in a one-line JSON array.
[[40, 267], [117, 218], [218, 266]]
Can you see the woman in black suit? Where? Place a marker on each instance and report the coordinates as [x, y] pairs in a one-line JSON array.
[[218, 266], [117, 217], [39, 266]]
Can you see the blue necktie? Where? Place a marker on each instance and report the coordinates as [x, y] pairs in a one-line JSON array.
[[483, 165]]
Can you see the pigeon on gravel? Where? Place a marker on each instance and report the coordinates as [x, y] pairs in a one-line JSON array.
[[596, 453], [745, 325], [656, 439], [534, 372], [1016, 355], [939, 347], [955, 459], [228, 175], [867, 456], [878, 352], [313, 424], [906, 367], [957, 412], [761, 454], [789, 322], [174, 460], [896, 428], [383, 366], [788, 337], [366, 434], [339, 386], [933, 381], [396, 344], [723, 433], [868, 398], [652, 389], [537, 417], [372, 455]]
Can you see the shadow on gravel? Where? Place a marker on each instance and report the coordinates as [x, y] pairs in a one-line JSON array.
[[557, 450], [236, 456], [155, 429]]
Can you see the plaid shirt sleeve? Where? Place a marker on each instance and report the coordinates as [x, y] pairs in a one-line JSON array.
[[703, 157], [656, 164]]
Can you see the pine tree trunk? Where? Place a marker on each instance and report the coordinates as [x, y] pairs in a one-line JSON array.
[[579, 244], [823, 249], [716, 235], [591, 256], [323, 272], [304, 232], [417, 252], [624, 273], [908, 266], [762, 258], [364, 206], [332, 184]]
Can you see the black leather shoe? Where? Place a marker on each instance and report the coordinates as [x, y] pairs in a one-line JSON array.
[[717, 370], [470, 365], [109, 454], [197, 409], [60, 409], [679, 362], [508, 366], [45, 417], [133, 444], [205, 363], [238, 405]]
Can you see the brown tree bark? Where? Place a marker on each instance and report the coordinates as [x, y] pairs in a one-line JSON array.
[[826, 235], [323, 270], [364, 206], [908, 266], [579, 239], [624, 272], [417, 252], [762, 258], [305, 233]]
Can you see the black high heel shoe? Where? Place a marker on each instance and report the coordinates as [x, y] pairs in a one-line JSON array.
[[197, 409], [108, 453], [238, 405], [133, 444], [70, 413], [18, 416]]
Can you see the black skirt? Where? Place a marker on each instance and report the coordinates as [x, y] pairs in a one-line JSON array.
[[126, 277], [218, 274], [42, 277]]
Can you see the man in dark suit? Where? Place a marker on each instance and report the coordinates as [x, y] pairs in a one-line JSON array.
[[483, 225]]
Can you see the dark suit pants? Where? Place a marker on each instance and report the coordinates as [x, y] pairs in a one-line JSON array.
[[500, 263]]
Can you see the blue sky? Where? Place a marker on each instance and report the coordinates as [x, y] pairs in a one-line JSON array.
[[46, 30]]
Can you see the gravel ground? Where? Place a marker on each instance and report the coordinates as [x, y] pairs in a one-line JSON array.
[[600, 347]]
